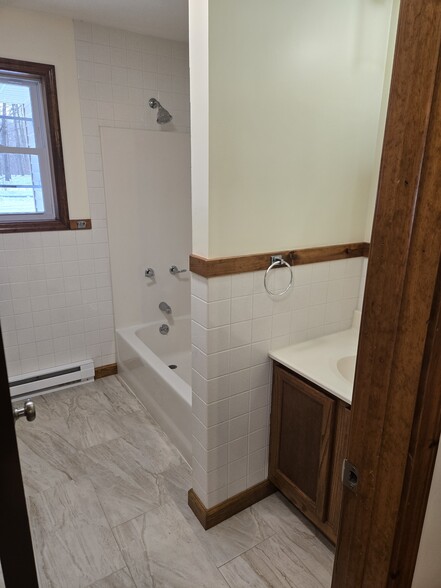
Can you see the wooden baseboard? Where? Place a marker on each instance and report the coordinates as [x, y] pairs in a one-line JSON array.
[[209, 517], [106, 370]]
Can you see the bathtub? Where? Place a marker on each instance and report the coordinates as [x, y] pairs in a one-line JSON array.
[[144, 357]]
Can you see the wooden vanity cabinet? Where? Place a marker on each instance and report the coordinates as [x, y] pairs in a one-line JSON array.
[[308, 441]]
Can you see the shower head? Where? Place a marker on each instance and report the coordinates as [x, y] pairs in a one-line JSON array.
[[163, 115]]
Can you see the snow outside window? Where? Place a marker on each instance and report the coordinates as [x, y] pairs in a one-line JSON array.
[[26, 184]]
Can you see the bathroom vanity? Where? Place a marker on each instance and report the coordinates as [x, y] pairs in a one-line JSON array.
[[310, 418]]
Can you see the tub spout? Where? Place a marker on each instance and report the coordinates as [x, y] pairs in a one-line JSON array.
[[165, 307]]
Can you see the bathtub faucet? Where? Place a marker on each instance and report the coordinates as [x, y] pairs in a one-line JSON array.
[[165, 307]]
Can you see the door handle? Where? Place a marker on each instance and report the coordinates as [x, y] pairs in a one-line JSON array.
[[27, 411]]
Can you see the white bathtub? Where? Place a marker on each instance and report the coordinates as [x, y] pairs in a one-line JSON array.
[[144, 356]]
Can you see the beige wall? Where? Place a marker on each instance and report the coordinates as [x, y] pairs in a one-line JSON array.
[[43, 38], [295, 92], [198, 24]]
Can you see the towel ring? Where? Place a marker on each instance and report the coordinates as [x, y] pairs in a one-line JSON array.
[[277, 261]]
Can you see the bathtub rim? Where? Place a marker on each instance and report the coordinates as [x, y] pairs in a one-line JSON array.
[[171, 409], [175, 381]]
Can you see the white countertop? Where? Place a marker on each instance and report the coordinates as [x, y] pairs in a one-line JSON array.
[[317, 360]]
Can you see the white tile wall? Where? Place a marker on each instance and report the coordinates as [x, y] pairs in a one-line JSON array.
[[234, 324], [55, 295], [55, 299], [118, 72]]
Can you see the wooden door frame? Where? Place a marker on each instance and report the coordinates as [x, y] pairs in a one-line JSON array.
[[395, 414]]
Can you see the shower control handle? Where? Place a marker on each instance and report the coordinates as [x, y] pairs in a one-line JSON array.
[[175, 270], [27, 411], [149, 272]]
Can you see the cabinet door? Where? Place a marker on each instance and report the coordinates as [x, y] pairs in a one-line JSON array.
[[301, 429], [342, 424]]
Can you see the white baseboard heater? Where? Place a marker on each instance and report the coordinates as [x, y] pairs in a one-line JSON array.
[[52, 379]]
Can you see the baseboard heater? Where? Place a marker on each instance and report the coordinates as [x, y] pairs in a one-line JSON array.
[[52, 379]]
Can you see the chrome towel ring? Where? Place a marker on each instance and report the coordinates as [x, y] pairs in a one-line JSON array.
[[277, 261]]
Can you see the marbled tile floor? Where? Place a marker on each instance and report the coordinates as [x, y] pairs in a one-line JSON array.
[[107, 499]]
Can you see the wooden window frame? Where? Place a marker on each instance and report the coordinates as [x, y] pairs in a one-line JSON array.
[[46, 73]]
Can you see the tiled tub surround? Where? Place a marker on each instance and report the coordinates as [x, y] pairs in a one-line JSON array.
[[234, 325], [119, 71], [55, 295]]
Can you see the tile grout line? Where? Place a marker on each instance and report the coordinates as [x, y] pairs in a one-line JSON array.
[[240, 550], [88, 477], [135, 517], [246, 551], [115, 539], [108, 576]]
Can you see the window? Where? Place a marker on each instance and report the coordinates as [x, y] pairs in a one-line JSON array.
[[32, 181]]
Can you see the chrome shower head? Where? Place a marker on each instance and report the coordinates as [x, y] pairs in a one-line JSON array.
[[163, 115]]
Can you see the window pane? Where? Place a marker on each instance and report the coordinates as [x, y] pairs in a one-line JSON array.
[[33, 192], [16, 125], [20, 184]]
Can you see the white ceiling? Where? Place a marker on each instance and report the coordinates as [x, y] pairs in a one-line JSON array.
[[160, 18]]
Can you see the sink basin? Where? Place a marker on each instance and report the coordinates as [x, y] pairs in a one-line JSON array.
[[346, 367]]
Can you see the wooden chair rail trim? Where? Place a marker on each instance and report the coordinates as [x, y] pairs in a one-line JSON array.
[[223, 266], [209, 517]]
